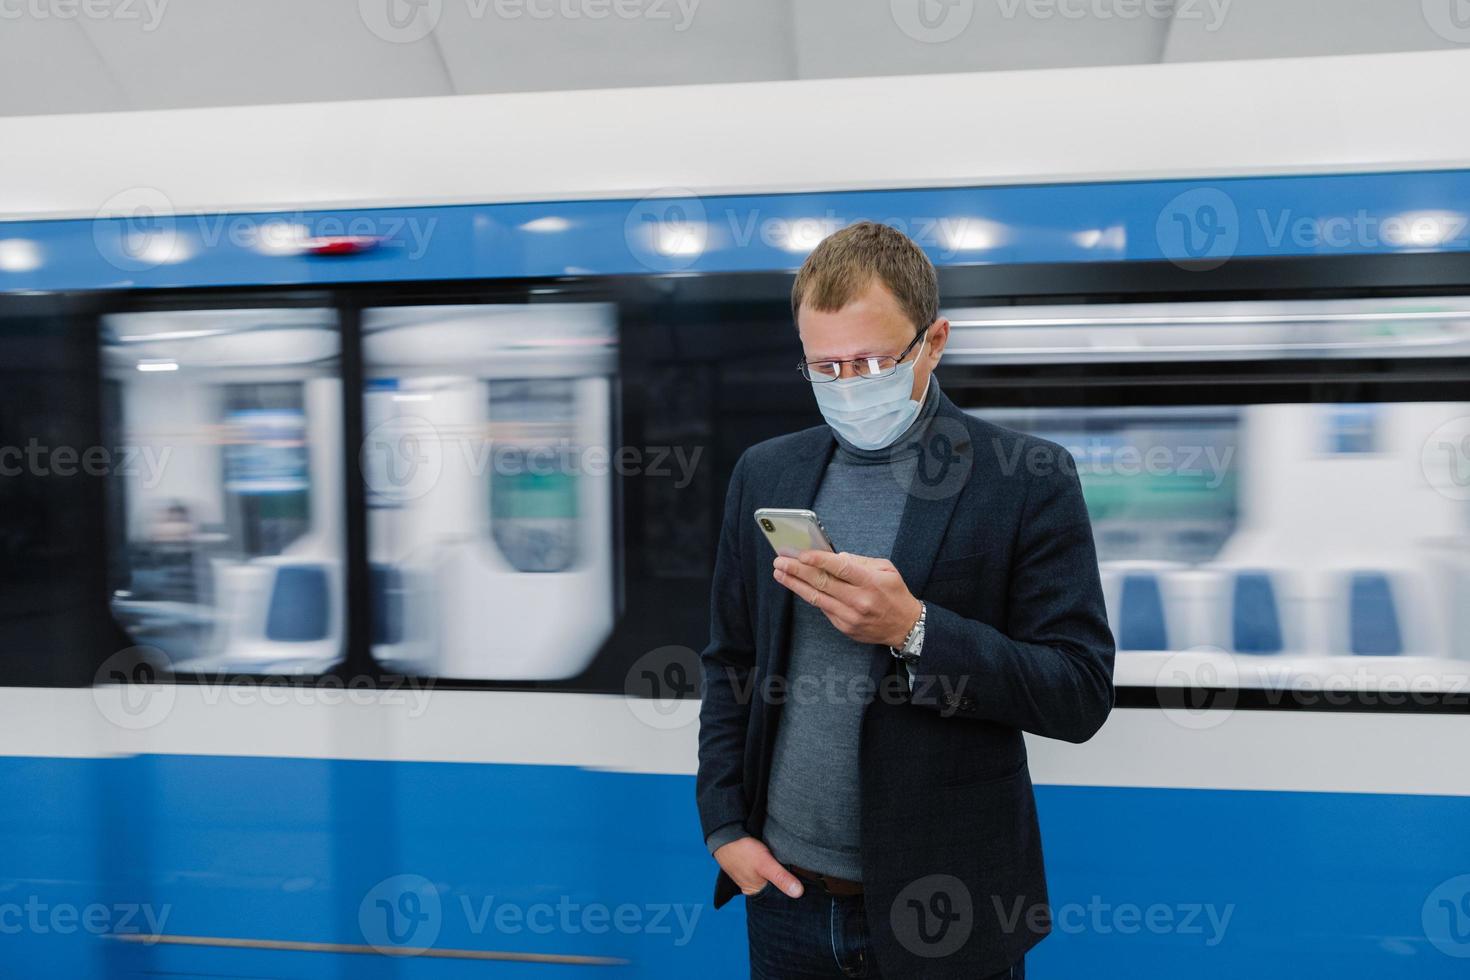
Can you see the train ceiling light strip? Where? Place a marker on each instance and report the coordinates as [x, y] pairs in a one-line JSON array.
[[1036, 225], [1342, 347], [1451, 316]]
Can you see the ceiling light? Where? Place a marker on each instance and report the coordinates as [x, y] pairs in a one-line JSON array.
[[19, 255], [803, 235], [679, 237], [1423, 229], [547, 225], [970, 234]]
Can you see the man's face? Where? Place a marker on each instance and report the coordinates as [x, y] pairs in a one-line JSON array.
[[872, 324]]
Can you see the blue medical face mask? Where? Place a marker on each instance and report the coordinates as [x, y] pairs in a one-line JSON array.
[[871, 413]]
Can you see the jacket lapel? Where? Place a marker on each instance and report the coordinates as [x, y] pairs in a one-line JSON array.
[[927, 511], [796, 488]]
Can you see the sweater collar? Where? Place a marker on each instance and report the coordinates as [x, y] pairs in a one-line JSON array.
[[906, 443]]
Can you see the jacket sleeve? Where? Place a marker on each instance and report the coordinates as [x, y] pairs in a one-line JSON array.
[[727, 666], [1052, 674]]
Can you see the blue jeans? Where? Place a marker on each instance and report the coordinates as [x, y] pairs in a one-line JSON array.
[[815, 937]]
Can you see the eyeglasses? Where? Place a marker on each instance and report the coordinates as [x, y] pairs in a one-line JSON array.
[[878, 366]]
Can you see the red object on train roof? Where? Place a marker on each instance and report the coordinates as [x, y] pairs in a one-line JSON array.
[[340, 244]]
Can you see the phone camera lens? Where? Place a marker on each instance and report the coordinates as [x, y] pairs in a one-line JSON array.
[[766, 523]]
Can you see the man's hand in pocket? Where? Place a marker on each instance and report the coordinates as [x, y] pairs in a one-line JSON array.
[[750, 864]]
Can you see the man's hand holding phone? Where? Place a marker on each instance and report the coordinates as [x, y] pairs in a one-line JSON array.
[[865, 598]]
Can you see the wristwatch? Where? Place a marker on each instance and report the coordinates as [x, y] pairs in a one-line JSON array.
[[913, 643]]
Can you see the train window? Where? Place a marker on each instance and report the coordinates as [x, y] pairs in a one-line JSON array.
[[1228, 530], [1293, 547], [230, 532], [533, 508], [1161, 483], [489, 459]]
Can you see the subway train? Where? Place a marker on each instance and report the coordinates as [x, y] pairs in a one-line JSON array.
[[363, 465]]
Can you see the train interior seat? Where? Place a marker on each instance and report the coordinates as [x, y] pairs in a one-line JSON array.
[[403, 635], [1142, 604], [1262, 611], [279, 613], [1141, 621], [1246, 609], [1373, 617], [387, 599], [1255, 613], [297, 610], [1381, 611]]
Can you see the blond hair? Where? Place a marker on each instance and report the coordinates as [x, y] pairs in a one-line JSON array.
[[848, 261]]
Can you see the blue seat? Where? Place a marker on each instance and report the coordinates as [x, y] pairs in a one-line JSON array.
[[1255, 619], [1141, 614], [1373, 618], [298, 605], [387, 605]]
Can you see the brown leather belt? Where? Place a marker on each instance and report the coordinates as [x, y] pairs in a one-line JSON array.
[[840, 887]]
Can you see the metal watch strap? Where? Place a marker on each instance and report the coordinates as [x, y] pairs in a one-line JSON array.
[[915, 630]]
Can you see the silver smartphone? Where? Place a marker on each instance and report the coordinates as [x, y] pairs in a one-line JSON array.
[[793, 531]]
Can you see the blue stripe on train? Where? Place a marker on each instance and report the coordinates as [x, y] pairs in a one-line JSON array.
[[1203, 883], [1199, 223]]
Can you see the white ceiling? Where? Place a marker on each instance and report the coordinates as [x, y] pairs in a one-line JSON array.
[[59, 56]]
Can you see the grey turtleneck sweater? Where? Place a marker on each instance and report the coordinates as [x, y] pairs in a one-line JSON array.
[[813, 808]]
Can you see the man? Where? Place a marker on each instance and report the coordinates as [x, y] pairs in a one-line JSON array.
[[862, 772]]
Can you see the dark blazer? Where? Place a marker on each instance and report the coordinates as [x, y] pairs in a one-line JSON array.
[[996, 540]]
